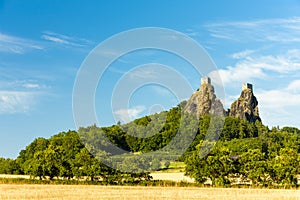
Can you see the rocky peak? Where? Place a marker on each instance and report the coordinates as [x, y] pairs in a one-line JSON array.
[[204, 101], [246, 106]]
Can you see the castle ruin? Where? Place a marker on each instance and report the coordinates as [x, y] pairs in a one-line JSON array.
[[205, 80], [246, 86]]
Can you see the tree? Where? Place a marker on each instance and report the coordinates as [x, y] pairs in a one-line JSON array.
[[254, 166], [167, 164], [36, 166], [69, 145], [9, 166], [22, 160], [217, 165], [285, 167], [85, 164], [155, 164], [52, 161], [44, 163]]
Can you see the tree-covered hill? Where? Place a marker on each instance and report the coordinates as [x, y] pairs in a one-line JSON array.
[[244, 151]]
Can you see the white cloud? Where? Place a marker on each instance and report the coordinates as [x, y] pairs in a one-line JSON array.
[[116, 70], [21, 85], [192, 33], [259, 66], [294, 86], [31, 85], [242, 54], [280, 106], [240, 73], [278, 99], [17, 45], [143, 73], [127, 115], [109, 53], [283, 30], [64, 39], [221, 36], [55, 39], [15, 101], [19, 96]]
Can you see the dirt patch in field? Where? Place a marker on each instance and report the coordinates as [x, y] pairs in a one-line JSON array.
[[177, 177]]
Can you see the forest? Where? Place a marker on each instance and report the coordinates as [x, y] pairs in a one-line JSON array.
[[241, 152]]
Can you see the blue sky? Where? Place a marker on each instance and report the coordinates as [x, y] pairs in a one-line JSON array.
[[43, 43]]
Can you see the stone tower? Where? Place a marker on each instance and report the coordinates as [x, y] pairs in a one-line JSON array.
[[246, 86], [246, 106], [205, 80], [204, 101]]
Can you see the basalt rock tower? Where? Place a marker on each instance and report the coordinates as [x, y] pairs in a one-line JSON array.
[[204, 100], [246, 106]]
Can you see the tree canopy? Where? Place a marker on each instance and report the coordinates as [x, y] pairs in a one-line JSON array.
[[222, 151]]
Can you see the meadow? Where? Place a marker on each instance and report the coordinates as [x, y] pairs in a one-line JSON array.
[[15, 191]]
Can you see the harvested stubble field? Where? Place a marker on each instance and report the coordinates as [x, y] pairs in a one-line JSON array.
[[14, 191]]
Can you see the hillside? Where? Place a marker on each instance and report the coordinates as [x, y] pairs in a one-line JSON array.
[[239, 146]]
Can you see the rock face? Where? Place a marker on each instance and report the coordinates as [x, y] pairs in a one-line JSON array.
[[246, 106], [204, 101]]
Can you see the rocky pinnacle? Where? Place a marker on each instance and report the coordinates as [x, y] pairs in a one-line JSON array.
[[246, 106]]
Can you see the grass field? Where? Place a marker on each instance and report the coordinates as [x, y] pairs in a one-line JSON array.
[[175, 167], [13, 191]]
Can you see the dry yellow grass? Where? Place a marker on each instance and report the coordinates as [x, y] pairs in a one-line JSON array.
[[12, 191]]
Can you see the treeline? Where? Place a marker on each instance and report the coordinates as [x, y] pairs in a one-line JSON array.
[[9, 166], [64, 156], [243, 151], [271, 159]]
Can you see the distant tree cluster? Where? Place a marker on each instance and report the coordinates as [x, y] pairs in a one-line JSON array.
[[9, 166], [271, 159], [63, 156]]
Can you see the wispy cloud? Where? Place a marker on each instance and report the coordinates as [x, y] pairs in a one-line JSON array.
[[127, 115], [221, 36], [17, 45], [242, 54], [113, 53], [192, 32], [241, 72], [31, 85], [273, 30], [12, 102], [258, 66], [57, 40], [280, 106], [144, 73], [65, 40], [294, 86], [20, 96], [109, 53], [22, 85]]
